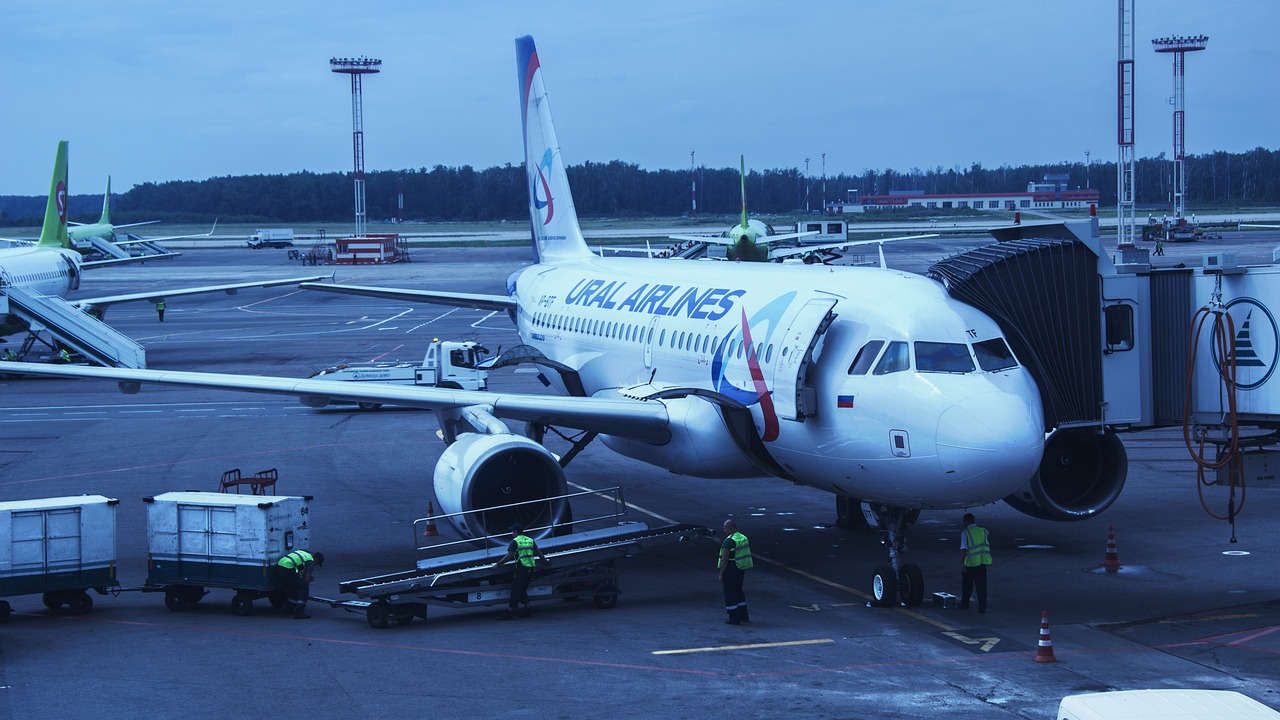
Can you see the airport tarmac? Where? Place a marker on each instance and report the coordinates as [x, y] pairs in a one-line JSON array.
[[1189, 608]]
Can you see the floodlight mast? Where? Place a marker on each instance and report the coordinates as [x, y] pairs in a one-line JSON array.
[[1179, 46], [357, 68], [1124, 133]]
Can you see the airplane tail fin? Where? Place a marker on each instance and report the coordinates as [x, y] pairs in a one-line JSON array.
[[556, 233], [54, 231], [742, 178], [106, 205]]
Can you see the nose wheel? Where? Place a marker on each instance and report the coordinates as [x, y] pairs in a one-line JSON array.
[[895, 583]]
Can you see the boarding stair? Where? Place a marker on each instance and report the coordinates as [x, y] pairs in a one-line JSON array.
[[106, 248], [74, 328]]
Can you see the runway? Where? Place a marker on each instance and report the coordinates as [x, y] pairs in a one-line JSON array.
[[1188, 609]]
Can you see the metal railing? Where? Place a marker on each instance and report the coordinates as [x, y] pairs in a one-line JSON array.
[[613, 496]]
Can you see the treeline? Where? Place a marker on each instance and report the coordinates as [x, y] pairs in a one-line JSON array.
[[617, 188]]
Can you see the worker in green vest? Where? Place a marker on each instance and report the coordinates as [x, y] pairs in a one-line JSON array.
[[160, 310], [526, 553], [975, 551], [735, 560], [293, 575]]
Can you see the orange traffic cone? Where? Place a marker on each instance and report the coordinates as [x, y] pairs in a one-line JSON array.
[[1044, 653], [430, 529], [1111, 561]]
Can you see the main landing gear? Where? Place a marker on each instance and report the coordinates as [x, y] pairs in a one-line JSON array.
[[897, 582]]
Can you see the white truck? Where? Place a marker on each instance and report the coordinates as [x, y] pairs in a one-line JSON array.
[[454, 365], [271, 237]]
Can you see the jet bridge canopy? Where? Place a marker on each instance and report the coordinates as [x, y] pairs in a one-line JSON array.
[[1045, 294]]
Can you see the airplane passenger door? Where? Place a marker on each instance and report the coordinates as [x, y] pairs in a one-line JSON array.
[[648, 342], [795, 352]]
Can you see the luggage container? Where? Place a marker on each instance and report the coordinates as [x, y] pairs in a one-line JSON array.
[[197, 540], [60, 547]]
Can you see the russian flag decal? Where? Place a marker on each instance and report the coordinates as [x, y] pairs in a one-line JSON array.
[[844, 401]]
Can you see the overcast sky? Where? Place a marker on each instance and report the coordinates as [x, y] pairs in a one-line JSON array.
[[157, 91]]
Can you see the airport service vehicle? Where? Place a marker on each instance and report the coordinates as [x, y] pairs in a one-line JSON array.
[[272, 238], [1164, 704], [453, 365], [200, 539], [59, 547]]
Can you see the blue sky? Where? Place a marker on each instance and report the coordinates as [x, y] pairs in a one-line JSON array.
[[157, 91]]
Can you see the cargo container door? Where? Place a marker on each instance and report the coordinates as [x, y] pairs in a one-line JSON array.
[[206, 543]]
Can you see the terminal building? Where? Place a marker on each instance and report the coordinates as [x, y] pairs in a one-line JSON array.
[[1051, 194]]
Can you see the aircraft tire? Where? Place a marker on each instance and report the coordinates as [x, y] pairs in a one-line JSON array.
[[911, 585], [884, 587]]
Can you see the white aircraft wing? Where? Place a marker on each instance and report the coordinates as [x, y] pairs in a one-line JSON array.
[[137, 239], [641, 420], [454, 299], [721, 240], [806, 249], [230, 289]]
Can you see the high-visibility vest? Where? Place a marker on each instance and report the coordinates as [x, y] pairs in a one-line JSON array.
[[741, 552], [524, 551], [977, 545], [296, 560]]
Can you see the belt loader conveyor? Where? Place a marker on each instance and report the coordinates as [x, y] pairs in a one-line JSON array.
[[578, 564]]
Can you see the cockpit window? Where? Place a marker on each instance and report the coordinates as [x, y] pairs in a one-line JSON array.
[[943, 357], [866, 356], [895, 359], [994, 355]]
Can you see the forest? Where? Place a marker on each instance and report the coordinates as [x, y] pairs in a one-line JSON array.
[[622, 189]]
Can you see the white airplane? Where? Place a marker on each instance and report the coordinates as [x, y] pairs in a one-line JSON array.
[[869, 383], [82, 234], [753, 240], [51, 268]]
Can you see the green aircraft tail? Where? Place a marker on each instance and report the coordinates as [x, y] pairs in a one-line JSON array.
[[106, 205], [54, 231], [742, 177]]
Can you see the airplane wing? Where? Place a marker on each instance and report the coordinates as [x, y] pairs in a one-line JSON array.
[[720, 240], [454, 299], [133, 239], [806, 249], [637, 419], [230, 289]]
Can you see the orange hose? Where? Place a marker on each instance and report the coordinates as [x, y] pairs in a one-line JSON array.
[[1224, 339]]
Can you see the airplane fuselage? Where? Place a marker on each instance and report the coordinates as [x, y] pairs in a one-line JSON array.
[[925, 420], [48, 271]]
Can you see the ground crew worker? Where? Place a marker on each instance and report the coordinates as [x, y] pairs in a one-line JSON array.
[[160, 310], [293, 575], [975, 550], [523, 549], [1159, 247], [734, 561]]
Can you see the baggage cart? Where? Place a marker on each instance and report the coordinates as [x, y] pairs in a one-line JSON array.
[[199, 540], [60, 548]]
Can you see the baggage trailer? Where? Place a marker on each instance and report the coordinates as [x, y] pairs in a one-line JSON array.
[[580, 564], [197, 540], [59, 547]]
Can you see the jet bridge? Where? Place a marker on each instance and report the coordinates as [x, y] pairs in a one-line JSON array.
[[1116, 345], [77, 330]]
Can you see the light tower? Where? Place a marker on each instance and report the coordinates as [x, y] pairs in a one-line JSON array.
[[1179, 46], [1124, 131], [356, 68]]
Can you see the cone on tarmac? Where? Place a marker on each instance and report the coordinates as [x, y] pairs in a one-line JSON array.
[[430, 530], [1111, 561], [1044, 653]]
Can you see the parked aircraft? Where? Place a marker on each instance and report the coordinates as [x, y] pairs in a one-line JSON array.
[[51, 268], [870, 383], [83, 234], [754, 241]]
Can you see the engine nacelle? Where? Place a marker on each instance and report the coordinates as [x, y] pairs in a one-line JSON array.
[[1081, 474], [479, 472]]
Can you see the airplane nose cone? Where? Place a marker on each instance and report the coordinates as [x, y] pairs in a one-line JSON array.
[[995, 438]]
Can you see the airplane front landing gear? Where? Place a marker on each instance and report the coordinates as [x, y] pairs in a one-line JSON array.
[[896, 581]]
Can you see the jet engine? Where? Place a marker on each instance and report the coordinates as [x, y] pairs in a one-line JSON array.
[[482, 476], [1081, 474]]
